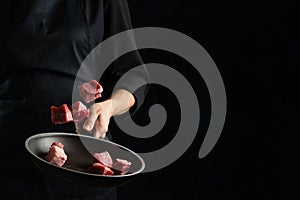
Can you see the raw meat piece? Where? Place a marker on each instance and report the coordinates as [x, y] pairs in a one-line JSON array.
[[121, 167], [103, 158], [103, 164], [61, 114], [100, 169], [60, 145], [56, 154], [90, 91], [64, 114], [79, 111]]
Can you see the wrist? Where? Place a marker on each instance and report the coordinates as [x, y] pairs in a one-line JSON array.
[[111, 107]]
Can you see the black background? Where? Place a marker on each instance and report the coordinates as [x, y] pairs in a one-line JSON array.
[[241, 38]]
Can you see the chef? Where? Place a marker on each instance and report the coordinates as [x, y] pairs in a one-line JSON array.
[[42, 45]]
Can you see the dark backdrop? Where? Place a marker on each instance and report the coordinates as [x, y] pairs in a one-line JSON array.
[[240, 38]]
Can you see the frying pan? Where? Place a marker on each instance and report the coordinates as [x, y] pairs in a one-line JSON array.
[[80, 150]]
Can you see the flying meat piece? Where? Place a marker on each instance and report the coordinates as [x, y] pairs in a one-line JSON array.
[[64, 114], [121, 167], [90, 91], [98, 168], [79, 111], [56, 154], [61, 114], [103, 158]]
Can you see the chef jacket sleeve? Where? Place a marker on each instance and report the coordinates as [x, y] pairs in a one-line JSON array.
[[117, 19]]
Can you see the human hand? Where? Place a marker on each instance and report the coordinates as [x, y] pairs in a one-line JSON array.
[[99, 118], [100, 113]]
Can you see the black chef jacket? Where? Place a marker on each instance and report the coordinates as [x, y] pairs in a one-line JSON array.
[[42, 44]]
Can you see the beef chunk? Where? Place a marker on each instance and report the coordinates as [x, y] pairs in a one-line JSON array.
[[103, 158], [103, 164], [60, 145], [79, 111], [64, 114], [121, 166], [56, 154], [90, 91], [61, 114], [98, 168]]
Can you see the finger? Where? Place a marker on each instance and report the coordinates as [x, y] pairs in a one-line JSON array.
[[90, 121], [99, 133], [78, 126], [100, 128]]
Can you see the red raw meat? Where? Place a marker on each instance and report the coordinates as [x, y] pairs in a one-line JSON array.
[[64, 114], [90, 91], [56, 154], [100, 169], [79, 111], [103, 158], [121, 167], [60, 145], [103, 164], [61, 114]]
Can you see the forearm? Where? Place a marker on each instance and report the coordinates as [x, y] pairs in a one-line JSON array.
[[121, 101]]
